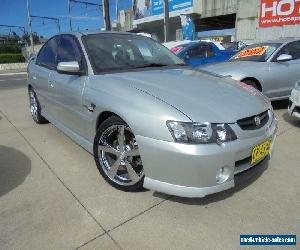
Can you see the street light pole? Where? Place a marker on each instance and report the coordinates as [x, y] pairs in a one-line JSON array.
[[29, 27]]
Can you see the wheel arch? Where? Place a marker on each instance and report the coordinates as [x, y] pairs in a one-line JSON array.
[[253, 79], [103, 116]]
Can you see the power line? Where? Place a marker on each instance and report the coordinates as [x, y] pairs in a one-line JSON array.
[[82, 4]]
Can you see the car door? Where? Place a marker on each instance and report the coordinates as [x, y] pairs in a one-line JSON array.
[[211, 54], [283, 75], [197, 54], [45, 63], [67, 88]]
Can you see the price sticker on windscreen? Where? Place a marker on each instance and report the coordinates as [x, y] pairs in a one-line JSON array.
[[257, 51]]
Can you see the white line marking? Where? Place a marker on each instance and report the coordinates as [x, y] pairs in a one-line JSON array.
[[11, 74], [16, 79]]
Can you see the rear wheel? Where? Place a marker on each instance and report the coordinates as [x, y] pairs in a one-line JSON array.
[[117, 155], [35, 108], [251, 83]]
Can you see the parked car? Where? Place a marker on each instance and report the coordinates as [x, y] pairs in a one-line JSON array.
[[197, 53], [271, 67], [149, 120], [294, 101]]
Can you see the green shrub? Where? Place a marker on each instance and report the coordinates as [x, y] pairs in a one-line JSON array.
[[11, 58], [10, 49]]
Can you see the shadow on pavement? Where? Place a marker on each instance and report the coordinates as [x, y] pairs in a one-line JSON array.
[[291, 120], [242, 180], [283, 104], [14, 168]]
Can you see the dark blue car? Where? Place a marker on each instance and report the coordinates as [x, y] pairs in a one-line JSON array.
[[202, 52]]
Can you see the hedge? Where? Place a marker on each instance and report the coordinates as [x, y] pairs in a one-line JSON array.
[[11, 58], [10, 49]]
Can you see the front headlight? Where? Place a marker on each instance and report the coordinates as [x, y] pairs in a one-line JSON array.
[[200, 133], [297, 85]]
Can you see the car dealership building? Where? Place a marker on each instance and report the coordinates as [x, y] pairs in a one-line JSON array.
[[223, 20]]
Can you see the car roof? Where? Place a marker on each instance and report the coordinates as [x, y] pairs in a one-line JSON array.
[[82, 33], [282, 40]]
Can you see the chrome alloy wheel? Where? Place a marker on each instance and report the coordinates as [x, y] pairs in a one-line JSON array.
[[33, 105], [119, 155]]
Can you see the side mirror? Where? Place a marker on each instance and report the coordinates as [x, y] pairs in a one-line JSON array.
[[284, 57], [71, 68]]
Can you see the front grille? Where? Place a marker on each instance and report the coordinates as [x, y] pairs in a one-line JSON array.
[[251, 123], [290, 104]]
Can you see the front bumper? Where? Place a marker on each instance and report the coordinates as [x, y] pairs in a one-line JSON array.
[[294, 103], [190, 170]]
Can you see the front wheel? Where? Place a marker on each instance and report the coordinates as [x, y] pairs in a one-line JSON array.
[[35, 108], [117, 155]]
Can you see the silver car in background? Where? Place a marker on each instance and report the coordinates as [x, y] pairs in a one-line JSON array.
[[294, 101], [272, 67], [149, 120]]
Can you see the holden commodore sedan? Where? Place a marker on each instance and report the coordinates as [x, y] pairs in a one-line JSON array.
[[149, 120], [272, 67]]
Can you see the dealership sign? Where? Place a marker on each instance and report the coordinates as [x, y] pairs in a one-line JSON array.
[[279, 12], [149, 10]]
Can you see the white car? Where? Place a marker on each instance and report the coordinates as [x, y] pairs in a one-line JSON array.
[[294, 101]]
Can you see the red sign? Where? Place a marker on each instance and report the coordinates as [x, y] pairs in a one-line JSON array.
[[279, 12]]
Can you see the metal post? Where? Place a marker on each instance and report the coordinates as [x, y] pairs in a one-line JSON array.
[[29, 27], [70, 18], [117, 11], [166, 20], [106, 16]]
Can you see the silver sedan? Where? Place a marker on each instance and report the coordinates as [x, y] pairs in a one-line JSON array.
[[149, 120], [272, 67]]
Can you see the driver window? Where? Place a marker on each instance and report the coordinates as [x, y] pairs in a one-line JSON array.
[[197, 51], [68, 50], [292, 49]]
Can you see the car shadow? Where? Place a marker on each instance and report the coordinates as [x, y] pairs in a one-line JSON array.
[[282, 104], [242, 181], [291, 120], [15, 166]]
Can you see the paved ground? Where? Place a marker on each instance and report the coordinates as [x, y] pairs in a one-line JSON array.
[[52, 196]]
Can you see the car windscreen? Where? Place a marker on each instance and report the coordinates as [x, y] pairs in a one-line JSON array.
[[120, 52], [260, 52]]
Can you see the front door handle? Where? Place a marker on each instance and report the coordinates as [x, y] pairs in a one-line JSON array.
[[51, 84]]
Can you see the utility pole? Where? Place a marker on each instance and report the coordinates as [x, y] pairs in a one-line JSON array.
[[166, 20], [70, 18], [106, 16], [29, 27], [117, 11]]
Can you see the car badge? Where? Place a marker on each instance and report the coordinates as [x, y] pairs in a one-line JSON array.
[[257, 120]]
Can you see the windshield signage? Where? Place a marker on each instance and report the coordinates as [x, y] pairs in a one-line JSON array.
[[257, 51]]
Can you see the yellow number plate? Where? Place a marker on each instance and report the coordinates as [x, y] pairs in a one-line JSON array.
[[260, 151]]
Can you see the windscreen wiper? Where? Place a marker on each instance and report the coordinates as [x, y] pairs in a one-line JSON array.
[[158, 65]]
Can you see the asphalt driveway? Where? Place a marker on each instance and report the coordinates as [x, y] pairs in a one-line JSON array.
[[52, 195]]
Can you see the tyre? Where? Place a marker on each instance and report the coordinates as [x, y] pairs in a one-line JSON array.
[[35, 108], [117, 155], [251, 83]]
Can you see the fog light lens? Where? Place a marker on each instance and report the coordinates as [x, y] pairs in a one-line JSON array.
[[223, 174]]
